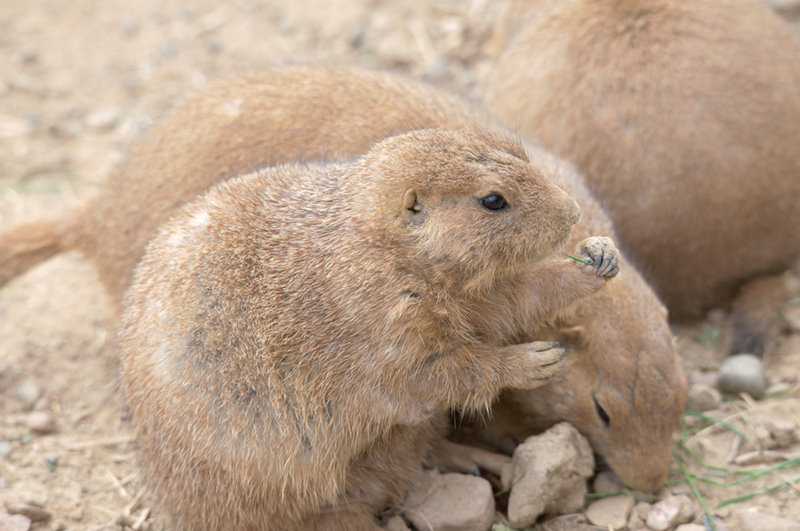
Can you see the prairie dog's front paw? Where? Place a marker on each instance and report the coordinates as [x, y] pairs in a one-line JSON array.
[[543, 360], [600, 253]]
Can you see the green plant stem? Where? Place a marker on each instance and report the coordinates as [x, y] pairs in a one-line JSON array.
[[696, 491]]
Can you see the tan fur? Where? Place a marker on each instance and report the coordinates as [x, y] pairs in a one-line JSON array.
[[331, 113], [288, 325], [683, 116]]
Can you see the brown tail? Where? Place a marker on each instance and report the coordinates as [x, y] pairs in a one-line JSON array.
[[24, 246]]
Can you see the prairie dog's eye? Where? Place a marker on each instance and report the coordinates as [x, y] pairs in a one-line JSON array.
[[601, 412], [494, 202]]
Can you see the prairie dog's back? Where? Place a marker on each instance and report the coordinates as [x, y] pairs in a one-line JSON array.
[[683, 117]]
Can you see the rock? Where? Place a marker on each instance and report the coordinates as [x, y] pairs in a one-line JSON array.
[[549, 475], [32, 512], [605, 482], [5, 448], [564, 523], [41, 422], [396, 523], [792, 313], [451, 502], [742, 373], [690, 527], [703, 398], [101, 119], [670, 512], [752, 520], [610, 512], [77, 515], [638, 516], [717, 523], [14, 522], [29, 391]]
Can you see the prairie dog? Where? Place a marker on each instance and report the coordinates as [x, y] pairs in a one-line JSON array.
[[288, 332]]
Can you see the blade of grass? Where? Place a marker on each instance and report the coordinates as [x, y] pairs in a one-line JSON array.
[[581, 260], [696, 491], [714, 420], [745, 497]]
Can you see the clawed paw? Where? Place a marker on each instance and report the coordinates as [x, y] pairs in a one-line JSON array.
[[601, 253], [546, 357]]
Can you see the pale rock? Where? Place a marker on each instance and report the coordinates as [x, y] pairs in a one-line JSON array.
[[41, 422], [450, 502], [610, 512], [670, 512], [690, 527], [568, 522], [14, 522], [751, 520], [638, 516], [33, 512], [549, 475], [105, 118], [605, 482], [792, 313], [742, 373], [703, 398], [29, 391]]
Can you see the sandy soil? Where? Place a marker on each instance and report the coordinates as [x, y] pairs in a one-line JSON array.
[[81, 80]]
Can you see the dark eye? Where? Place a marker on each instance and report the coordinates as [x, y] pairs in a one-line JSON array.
[[601, 412], [494, 202]]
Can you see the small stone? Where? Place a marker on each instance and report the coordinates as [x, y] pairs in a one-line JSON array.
[[690, 527], [742, 373], [638, 516], [101, 119], [670, 512], [549, 475], [751, 520], [703, 398], [396, 523], [52, 462], [606, 482], [14, 522], [29, 391], [610, 512], [717, 523], [451, 502], [33, 512], [575, 522], [41, 422], [5, 448], [77, 515], [792, 316]]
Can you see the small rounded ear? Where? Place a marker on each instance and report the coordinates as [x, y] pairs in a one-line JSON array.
[[574, 334], [410, 204]]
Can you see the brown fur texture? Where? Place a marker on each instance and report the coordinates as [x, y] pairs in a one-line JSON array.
[[622, 384], [287, 326], [285, 114], [683, 116]]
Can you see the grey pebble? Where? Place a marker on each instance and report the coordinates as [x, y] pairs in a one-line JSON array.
[[742, 373], [29, 391]]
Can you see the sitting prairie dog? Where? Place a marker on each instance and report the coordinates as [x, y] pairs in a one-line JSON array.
[[330, 113], [683, 116], [287, 326]]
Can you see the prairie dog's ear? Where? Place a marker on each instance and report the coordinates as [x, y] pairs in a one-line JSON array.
[[411, 206], [574, 334]]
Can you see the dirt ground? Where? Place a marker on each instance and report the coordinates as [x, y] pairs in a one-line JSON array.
[[79, 83]]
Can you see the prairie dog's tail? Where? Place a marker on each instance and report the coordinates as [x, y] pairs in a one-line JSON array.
[[26, 245]]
